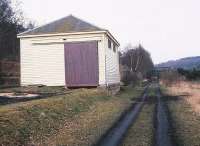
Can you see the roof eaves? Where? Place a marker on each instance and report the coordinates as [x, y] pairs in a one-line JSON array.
[[60, 34], [112, 37]]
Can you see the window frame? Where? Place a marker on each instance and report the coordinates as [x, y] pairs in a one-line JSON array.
[[114, 47], [109, 43]]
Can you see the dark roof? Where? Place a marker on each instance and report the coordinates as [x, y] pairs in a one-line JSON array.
[[65, 25]]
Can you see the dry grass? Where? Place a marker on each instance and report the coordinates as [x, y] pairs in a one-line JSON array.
[[78, 118], [86, 128], [24, 123], [191, 92], [185, 122], [183, 103]]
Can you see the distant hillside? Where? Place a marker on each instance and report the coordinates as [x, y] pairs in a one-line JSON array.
[[186, 63]]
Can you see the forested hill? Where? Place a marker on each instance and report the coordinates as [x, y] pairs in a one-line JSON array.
[[186, 63]]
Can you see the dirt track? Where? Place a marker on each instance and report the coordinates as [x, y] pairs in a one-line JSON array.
[[162, 136], [116, 134]]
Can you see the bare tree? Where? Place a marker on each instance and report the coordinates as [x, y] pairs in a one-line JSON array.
[[138, 61]]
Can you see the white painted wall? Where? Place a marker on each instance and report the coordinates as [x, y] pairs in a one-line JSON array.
[[112, 63], [42, 58], [42, 64]]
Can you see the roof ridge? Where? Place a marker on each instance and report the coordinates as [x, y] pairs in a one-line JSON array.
[[87, 22]]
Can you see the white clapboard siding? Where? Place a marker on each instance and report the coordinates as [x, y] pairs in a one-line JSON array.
[[112, 64], [42, 64], [101, 62]]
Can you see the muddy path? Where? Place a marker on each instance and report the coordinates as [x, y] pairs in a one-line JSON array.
[[115, 135], [162, 122]]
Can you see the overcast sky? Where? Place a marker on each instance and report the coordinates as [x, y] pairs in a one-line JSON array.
[[168, 29]]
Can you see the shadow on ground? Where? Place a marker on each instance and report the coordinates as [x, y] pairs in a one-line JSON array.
[[172, 130], [6, 100]]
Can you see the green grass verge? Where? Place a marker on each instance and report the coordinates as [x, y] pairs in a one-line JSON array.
[[35, 121]]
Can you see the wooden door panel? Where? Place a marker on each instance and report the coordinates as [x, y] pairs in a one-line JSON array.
[[81, 64]]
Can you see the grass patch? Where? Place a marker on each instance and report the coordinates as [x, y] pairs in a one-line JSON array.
[[152, 90], [33, 122], [128, 92], [88, 127], [184, 121]]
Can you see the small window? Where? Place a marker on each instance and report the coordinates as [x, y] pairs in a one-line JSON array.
[[109, 43], [114, 47]]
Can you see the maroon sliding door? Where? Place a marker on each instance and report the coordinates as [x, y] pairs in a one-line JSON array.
[[81, 64]]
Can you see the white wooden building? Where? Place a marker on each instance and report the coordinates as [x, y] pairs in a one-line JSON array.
[[69, 52]]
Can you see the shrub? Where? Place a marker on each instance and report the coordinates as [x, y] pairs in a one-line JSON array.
[[190, 74], [130, 78], [170, 77]]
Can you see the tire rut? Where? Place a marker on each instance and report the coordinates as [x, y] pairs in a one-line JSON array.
[[115, 135], [163, 128]]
